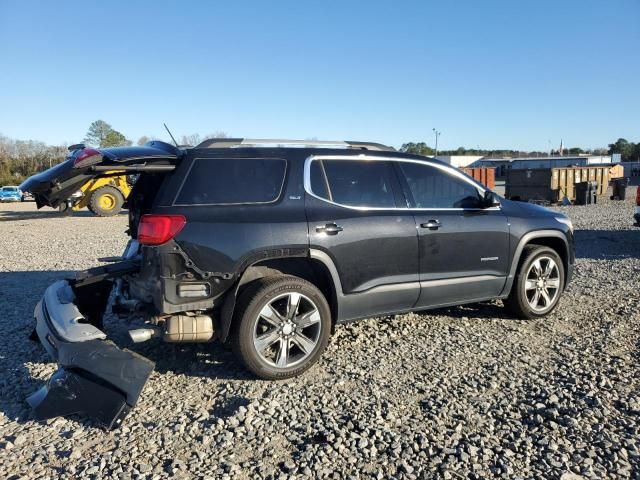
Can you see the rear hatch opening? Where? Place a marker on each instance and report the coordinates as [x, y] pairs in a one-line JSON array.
[[55, 185]]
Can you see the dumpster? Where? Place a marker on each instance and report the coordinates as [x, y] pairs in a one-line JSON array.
[[552, 185], [616, 171], [484, 175], [530, 185]]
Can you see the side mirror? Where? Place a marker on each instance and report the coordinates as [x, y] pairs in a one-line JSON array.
[[490, 199]]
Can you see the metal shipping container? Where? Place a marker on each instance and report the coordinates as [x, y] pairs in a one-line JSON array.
[[484, 175], [616, 171], [553, 184]]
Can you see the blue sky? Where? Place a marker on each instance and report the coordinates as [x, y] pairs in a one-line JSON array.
[[492, 74]]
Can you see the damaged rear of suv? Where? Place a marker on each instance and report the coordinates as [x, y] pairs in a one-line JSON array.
[[95, 376], [204, 223], [268, 244]]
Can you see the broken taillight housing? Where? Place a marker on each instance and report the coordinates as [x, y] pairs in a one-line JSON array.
[[159, 229], [87, 157]]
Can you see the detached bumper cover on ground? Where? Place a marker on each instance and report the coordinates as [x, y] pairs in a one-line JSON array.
[[95, 377]]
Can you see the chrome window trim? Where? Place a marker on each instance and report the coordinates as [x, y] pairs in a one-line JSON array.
[[365, 157], [184, 180]]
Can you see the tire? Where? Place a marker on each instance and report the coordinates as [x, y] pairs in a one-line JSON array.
[[106, 201], [529, 288], [64, 208], [261, 317]]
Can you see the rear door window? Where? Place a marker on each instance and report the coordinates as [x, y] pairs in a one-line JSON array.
[[353, 183], [433, 187], [232, 181]]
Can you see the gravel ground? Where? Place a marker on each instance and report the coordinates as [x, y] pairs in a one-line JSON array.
[[462, 392]]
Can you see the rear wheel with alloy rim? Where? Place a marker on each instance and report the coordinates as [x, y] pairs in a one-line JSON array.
[[538, 285], [281, 327]]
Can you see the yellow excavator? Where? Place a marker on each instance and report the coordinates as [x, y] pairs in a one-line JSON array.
[[103, 196]]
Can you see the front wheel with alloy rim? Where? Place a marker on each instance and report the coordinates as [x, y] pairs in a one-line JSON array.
[[281, 327], [538, 284]]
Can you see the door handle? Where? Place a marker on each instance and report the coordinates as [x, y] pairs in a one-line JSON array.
[[329, 229], [431, 224]]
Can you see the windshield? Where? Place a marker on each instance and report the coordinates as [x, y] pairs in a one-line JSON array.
[[9, 189]]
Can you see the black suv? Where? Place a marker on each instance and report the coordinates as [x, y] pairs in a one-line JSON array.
[[268, 244]]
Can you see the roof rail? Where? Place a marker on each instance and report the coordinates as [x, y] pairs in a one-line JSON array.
[[262, 143]]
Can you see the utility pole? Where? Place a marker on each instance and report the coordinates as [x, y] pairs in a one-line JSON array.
[[437, 134]]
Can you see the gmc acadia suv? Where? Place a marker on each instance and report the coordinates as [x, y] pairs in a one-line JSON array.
[[269, 244]]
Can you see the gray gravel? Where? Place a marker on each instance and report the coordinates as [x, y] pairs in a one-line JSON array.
[[462, 392]]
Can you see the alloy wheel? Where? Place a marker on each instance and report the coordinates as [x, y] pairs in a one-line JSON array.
[[287, 330], [542, 283]]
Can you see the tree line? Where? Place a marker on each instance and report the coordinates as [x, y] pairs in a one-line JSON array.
[[103, 135], [421, 148], [20, 159], [629, 151]]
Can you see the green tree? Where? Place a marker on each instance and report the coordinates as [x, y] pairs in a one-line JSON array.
[[624, 148], [97, 133], [419, 148], [115, 139], [101, 134]]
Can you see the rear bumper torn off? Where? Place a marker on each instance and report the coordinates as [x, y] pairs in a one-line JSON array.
[[95, 377]]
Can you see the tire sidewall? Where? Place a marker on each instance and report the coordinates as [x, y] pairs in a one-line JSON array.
[[250, 312]]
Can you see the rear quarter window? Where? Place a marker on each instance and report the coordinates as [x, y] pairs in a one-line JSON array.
[[232, 181], [353, 183]]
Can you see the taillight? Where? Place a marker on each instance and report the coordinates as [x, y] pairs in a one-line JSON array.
[[159, 229], [86, 157], [638, 197]]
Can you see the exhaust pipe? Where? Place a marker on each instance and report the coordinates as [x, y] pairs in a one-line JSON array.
[[140, 335]]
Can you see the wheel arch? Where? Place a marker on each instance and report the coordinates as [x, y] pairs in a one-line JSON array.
[[311, 268], [554, 239]]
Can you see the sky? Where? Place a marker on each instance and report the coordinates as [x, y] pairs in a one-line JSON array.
[[487, 74]]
